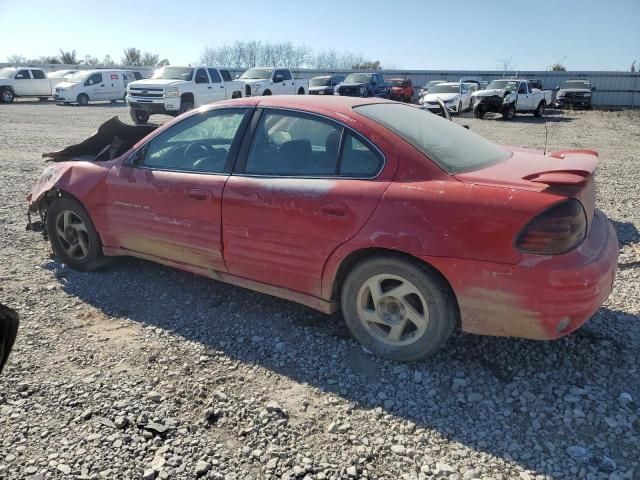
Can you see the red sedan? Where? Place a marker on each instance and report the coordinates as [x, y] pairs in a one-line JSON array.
[[410, 224]]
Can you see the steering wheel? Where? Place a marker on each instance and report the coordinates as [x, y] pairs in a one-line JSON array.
[[197, 151]]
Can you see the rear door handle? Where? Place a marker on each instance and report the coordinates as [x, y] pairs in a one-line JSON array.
[[198, 194], [334, 209], [209, 88]]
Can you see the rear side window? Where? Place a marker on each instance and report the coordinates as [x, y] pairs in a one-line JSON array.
[[215, 76], [226, 76], [38, 74], [452, 147], [296, 144]]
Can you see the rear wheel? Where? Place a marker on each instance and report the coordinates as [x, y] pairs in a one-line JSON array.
[[539, 112], [139, 117], [7, 96], [398, 309], [83, 99], [73, 237], [301, 91], [43, 99], [267, 93]]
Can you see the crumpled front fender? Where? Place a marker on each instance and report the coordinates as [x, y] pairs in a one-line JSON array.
[[52, 176]]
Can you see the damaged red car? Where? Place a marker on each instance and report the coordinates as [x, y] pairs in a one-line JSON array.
[[409, 224]]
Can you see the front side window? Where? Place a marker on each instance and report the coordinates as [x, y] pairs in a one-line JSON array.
[[522, 88], [454, 148], [286, 74], [201, 76], [38, 74], [22, 75], [94, 79], [200, 143]]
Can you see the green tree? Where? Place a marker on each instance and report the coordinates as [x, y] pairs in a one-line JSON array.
[[107, 61], [68, 58], [132, 57], [558, 67]]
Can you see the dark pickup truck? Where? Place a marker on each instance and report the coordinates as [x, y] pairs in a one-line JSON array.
[[574, 93], [364, 85], [324, 85]]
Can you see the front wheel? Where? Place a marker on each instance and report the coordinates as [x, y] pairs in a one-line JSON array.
[[509, 112], [139, 117], [301, 91], [459, 107], [185, 107], [398, 309], [7, 96], [539, 112], [83, 99], [73, 237]]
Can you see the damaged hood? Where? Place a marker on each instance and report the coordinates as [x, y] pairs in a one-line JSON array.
[[445, 97], [489, 93]]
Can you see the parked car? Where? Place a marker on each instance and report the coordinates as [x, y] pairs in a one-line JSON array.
[[61, 73], [472, 87], [325, 84], [455, 95], [509, 96], [93, 86], [24, 82], [429, 85], [173, 90], [364, 85], [574, 93], [401, 89], [9, 322], [272, 81], [410, 224]]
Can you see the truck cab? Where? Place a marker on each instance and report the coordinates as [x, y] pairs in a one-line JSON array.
[[272, 81], [23, 82], [364, 85]]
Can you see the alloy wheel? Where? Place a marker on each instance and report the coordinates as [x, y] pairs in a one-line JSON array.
[[392, 309], [72, 234]]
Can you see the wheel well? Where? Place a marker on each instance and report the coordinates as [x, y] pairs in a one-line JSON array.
[[7, 87], [187, 97], [301, 91], [265, 92], [351, 260]]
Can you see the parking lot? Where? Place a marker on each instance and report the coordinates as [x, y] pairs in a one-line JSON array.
[[142, 371]]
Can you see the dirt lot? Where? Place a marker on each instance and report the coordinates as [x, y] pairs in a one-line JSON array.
[[140, 371]]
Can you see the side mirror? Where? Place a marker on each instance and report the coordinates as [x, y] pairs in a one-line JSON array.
[[237, 76], [557, 88], [9, 321], [465, 126], [593, 89]]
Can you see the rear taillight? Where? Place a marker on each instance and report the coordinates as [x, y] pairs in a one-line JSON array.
[[557, 230]]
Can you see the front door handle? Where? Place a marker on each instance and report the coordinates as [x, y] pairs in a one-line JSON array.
[[334, 209], [198, 194], [209, 88]]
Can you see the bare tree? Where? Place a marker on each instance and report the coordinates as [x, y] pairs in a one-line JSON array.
[[132, 57], [505, 64], [633, 66], [558, 67], [162, 63], [68, 58], [107, 61], [48, 59], [15, 58], [89, 60], [369, 65]]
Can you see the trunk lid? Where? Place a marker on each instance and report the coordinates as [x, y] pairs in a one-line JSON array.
[[568, 173]]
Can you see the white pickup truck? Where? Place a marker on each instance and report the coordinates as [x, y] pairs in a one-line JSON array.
[[272, 81], [25, 82], [174, 90], [509, 96]]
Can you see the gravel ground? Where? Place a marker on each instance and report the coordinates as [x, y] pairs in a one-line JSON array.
[[141, 371]]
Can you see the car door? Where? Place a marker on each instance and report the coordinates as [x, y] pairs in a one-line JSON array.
[[96, 87], [41, 84], [203, 89], [465, 95], [217, 85], [525, 100], [164, 202], [23, 83], [279, 86], [304, 185]]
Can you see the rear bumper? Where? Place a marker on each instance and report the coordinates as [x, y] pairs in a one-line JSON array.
[[542, 297]]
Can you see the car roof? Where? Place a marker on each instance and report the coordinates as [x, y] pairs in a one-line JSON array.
[[450, 83]]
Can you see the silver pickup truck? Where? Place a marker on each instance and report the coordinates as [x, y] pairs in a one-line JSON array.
[[508, 96]]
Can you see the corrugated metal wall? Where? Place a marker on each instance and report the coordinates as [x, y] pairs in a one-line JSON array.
[[614, 89]]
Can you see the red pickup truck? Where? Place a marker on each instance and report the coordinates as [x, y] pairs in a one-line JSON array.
[[401, 89]]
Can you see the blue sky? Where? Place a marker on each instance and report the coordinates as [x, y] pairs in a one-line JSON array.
[[462, 34]]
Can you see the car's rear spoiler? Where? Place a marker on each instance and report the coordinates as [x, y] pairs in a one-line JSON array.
[[112, 139], [574, 168]]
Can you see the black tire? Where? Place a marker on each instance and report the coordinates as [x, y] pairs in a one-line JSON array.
[[479, 111], [266, 93], [459, 107], [185, 107], [139, 117], [114, 101], [539, 111], [43, 99], [64, 236], [6, 95], [509, 112], [83, 99], [432, 292], [301, 91]]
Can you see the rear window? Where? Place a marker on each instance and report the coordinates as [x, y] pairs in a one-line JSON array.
[[451, 146]]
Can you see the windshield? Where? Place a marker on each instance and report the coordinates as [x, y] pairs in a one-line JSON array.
[[509, 85], [431, 84], [320, 82], [577, 84], [7, 72], [358, 78], [444, 88], [257, 74], [451, 146], [77, 77], [397, 83], [174, 73]]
